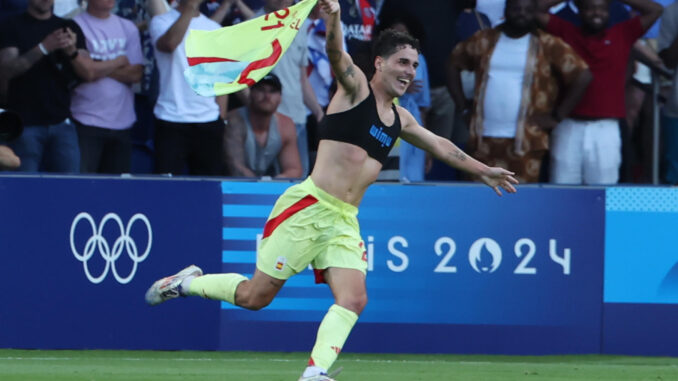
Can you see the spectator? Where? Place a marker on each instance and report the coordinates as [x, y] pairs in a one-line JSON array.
[[568, 11], [494, 9], [358, 19], [40, 57], [668, 51], [469, 21], [228, 12], [586, 148], [259, 140], [103, 110], [189, 128], [297, 91], [518, 96], [140, 13], [635, 128]]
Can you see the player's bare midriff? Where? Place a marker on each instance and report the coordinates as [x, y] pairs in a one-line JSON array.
[[344, 170]]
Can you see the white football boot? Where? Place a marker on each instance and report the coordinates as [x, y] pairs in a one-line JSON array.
[[168, 288]]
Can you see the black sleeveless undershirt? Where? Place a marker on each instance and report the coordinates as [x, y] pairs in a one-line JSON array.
[[362, 127]]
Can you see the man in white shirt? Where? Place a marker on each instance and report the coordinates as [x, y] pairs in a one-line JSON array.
[[528, 82], [188, 127]]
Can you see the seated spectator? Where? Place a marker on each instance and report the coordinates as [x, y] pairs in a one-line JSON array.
[[586, 148], [8, 160], [103, 110], [518, 96], [298, 94], [259, 140]]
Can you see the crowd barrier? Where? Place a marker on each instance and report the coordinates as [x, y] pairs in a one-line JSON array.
[[451, 268]]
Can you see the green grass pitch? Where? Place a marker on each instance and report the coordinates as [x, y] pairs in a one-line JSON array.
[[39, 365]]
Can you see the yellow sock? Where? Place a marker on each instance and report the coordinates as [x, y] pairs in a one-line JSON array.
[[216, 286], [332, 334]]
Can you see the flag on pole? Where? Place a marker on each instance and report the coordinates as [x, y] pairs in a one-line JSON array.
[[229, 59]]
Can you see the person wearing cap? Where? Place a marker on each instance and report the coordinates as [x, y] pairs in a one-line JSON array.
[[260, 141], [298, 94]]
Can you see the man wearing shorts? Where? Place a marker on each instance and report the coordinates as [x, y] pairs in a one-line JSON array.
[[315, 222]]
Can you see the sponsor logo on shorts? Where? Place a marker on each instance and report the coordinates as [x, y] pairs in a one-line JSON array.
[[280, 263]]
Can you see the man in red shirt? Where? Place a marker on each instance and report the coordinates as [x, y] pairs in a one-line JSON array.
[[586, 147]]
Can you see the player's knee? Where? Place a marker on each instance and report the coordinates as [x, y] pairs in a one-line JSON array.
[[355, 303], [253, 301], [259, 302]]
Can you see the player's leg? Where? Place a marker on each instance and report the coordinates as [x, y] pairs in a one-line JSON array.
[[350, 296], [252, 294]]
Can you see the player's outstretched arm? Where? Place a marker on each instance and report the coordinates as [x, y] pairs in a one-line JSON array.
[[349, 77], [444, 150]]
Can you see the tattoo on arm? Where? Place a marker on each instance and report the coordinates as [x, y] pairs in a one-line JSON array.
[[458, 154], [349, 72], [334, 55]]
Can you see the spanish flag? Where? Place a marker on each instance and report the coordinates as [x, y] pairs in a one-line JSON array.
[[229, 59]]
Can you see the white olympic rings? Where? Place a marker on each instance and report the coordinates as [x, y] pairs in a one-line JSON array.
[[108, 253]]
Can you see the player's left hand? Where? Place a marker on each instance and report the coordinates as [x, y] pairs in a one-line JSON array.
[[496, 177]]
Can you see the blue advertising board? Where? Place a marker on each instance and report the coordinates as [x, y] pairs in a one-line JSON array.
[[641, 271], [451, 269], [79, 253]]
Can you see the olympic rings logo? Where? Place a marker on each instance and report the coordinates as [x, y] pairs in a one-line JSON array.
[[108, 253]]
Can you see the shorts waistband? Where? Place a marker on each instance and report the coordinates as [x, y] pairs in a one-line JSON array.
[[329, 200]]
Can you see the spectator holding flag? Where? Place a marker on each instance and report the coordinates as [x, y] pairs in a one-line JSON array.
[[188, 127]]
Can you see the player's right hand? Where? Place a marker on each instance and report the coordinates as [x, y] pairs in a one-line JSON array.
[[329, 6]]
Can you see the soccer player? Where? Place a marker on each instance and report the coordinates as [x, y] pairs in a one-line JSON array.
[[315, 222]]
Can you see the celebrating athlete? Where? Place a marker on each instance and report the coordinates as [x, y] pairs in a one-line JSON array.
[[315, 222]]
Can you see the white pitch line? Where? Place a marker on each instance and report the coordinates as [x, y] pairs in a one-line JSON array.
[[423, 362]]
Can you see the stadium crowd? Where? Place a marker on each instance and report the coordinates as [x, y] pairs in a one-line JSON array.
[[556, 91]]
